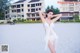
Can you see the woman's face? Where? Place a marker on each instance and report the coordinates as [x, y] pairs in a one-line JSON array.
[[50, 14]]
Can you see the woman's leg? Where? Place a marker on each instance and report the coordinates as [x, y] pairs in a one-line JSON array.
[[51, 46]]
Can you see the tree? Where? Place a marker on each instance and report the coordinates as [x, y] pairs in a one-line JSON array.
[[55, 10], [76, 17], [47, 8], [3, 6]]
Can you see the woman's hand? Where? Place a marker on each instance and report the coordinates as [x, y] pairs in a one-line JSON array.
[[42, 15]]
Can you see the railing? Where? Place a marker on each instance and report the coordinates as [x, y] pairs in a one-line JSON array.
[[67, 2]]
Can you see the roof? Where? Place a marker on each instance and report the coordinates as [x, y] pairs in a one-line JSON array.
[[34, 1], [70, 0], [20, 1], [70, 12]]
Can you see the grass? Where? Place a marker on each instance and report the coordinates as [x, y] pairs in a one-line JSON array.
[[71, 21], [28, 21]]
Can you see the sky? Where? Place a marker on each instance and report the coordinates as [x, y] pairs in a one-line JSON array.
[[48, 3]]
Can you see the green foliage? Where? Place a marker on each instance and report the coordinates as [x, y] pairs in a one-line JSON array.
[[55, 10], [14, 20], [19, 20], [76, 17], [2, 16], [3, 6]]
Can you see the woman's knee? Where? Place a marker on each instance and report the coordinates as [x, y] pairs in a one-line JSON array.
[[49, 43]]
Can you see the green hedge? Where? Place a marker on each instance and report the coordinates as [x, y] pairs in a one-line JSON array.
[[70, 21]]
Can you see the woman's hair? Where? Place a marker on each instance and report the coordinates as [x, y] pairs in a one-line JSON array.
[[50, 10]]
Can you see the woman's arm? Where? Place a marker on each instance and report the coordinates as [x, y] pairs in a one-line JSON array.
[[57, 16], [42, 15]]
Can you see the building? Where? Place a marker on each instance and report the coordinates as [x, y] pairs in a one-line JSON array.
[[68, 8], [25, 9], [33, 9], [16, 10]]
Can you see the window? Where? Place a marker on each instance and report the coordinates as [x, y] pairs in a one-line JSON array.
[[28, 5], [33, 15], [71, 8], [18, 10], [13, 10], [36, 4], [40, 4], [32, 5], [39, 8], [6, 17], [71, 4], [28, 15], [18, 15], [32, 10], [6, 12], [22, 10], [65, 14], [18, 6], [36, 9], [22, 5], [22, 15], [28, 10], [37, 14], [13, 6], [71, 14], [13, 15]]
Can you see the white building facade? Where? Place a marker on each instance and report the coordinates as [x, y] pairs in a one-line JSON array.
[[34, 8], [25, 9], [68, 8]]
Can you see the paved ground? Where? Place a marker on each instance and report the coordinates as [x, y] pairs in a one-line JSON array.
[[28, 38]]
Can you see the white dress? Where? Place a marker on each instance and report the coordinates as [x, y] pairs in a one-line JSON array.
[[50, 33]]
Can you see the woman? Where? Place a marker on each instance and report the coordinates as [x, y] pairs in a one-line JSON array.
[[48, 22]]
